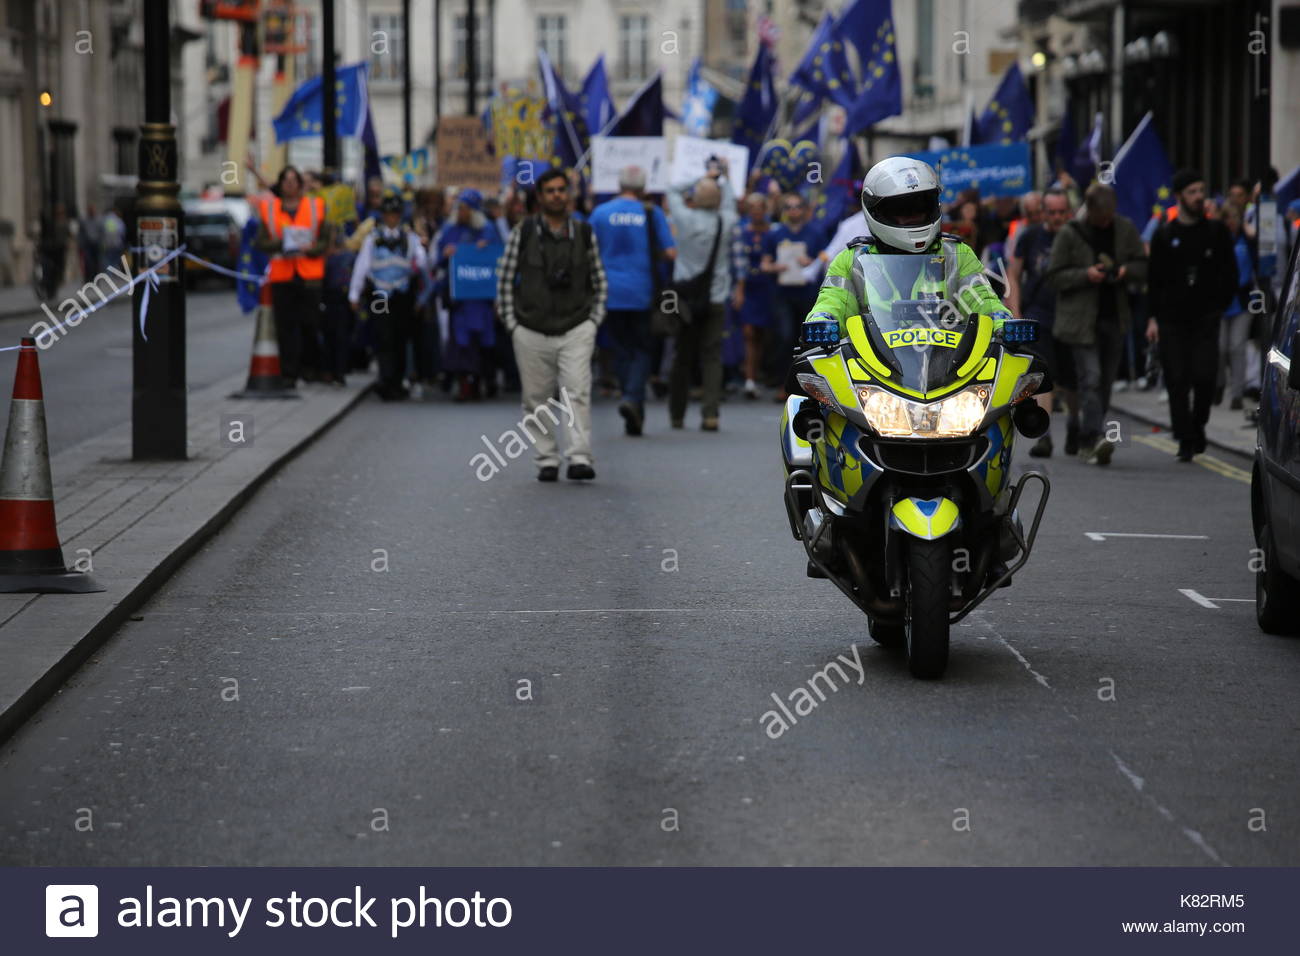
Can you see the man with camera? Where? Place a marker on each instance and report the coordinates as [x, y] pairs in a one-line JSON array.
[[551, 299], [1093, 260], [1193, 280]]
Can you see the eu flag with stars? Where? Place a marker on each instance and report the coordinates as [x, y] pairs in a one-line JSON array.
[[1142, 175], [825, 69], [302, 114], [251, 262], [836, 201], [869, 26], [1009, 114], [597, 103], [757, 108], [564, 114]]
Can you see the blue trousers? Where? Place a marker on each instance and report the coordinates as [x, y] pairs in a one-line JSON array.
[[632, 343]]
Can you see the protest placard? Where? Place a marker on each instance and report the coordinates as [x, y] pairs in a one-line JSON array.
[[463, 157], [609, 154]]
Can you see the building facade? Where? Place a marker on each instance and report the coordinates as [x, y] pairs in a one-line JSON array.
[[71, 100]]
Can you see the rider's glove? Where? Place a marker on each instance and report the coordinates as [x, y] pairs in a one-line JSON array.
[[821, 328], [999, 319]]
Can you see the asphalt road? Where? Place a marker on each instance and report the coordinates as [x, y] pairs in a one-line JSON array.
[[1092, 714], [87, 372]]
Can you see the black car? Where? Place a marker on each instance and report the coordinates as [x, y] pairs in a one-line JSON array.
[[212, 231], [1275, 482]]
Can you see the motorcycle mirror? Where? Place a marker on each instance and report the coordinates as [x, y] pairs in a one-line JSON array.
[[1031, 420]]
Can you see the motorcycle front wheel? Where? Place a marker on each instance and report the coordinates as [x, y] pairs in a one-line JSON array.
[[929, 578]]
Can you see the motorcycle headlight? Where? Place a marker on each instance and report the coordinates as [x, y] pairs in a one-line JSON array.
[[953, 417]]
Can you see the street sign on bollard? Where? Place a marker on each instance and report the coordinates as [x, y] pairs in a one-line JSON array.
[[158, 402]]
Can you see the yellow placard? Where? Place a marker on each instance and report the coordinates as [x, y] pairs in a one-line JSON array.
[[945, 338], [340, 203]]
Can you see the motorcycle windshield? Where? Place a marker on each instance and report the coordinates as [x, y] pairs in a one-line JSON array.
[[912, 323]]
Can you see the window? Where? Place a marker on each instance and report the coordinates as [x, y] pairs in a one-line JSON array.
[[482, 48], [306, 36], [633, 47], [924, 77], [385, 43], [551, 37]]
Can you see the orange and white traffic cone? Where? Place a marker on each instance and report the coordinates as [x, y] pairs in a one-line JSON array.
[[264, 378], [31, 558]]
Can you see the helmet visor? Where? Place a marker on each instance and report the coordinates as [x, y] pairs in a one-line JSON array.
[[907, 211]]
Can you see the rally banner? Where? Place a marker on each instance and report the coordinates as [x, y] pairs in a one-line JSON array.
[[474, 273], [609, 154], [993, 170], [691, 155]]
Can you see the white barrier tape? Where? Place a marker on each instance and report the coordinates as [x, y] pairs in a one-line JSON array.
[[149, 276], [231, 273]]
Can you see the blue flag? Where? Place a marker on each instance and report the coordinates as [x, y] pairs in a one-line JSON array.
[[869, 26], [806, 109], [252, 262], [1009, 114], [644, 114], [836, 200], [697, 109], [1287, 190], [302, 117], [597, 103], [757, 107], [824, 70], [563, 113], [1142, 176], [993, 169]]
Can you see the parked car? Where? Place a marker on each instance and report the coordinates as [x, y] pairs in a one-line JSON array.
[[1275, 482], [212, 231]]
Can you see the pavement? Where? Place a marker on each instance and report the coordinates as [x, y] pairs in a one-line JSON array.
[[20, 299], [1227, 430], [134, 523], [88, 372], [382, 659]]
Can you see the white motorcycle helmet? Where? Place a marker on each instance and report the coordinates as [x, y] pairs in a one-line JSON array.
[[900, 198]]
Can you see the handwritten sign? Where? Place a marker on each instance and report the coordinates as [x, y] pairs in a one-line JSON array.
[[463, 157], [609, 154], [691, 155]]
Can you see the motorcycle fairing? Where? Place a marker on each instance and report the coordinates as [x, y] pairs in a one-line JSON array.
[[925, 518]]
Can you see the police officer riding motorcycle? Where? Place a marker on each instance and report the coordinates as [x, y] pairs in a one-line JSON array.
[[897, 437]]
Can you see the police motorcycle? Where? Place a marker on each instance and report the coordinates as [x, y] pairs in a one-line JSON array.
[[897, 441]]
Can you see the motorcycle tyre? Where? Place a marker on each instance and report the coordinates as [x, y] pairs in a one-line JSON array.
[[929, 571]]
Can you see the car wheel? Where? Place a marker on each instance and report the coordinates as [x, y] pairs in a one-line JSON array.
[[1277, 594]]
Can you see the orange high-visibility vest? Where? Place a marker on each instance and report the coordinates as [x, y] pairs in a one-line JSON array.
[[309, 214]]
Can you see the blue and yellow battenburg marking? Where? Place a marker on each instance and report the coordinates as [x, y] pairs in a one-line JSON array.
[[946, 338]]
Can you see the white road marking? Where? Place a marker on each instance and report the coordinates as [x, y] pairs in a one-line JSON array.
[[1211, 603], [1103, 535], [1200, 599], [1137, 782], [1021, 657]]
